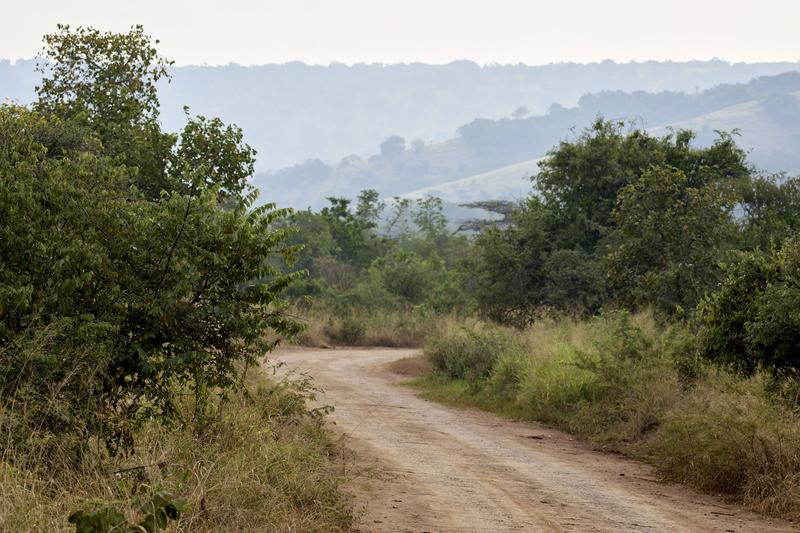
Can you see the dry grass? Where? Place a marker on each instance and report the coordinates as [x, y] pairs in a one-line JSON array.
[[727, 436], [396, 329], [631, 386], [261, 465]]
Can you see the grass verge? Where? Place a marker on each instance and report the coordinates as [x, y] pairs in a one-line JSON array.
[[262, 463], [630, 386]]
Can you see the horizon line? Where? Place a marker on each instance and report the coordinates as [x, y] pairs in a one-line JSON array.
[[494, 64]]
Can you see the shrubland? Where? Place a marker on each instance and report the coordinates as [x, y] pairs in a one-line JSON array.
[[377, 278], [644, 297], [138, 285]]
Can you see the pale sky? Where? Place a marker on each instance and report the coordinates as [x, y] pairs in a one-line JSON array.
[[430, 31]]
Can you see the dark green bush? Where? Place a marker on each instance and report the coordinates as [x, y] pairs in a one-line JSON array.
[[753, 320], [140, 292], [159, 509]]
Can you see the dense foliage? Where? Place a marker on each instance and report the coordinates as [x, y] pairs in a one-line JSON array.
[[618, 218], [753, 320], [133, 265], [667, 240], [363, 258], [584, 239]]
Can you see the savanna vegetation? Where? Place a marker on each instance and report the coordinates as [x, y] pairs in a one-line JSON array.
[[643, 297], [139, 291], [378, 274]]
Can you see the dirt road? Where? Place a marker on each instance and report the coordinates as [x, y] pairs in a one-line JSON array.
[[434, 468]]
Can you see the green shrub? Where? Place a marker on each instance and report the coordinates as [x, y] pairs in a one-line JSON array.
[[135, 252], [692, 226], [349, 331], [468, 353], [752, 321]]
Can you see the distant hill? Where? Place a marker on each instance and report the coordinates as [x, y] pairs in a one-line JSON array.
[[294, 112], [413, 127], [769, 129], [511, 182], [484, 159]]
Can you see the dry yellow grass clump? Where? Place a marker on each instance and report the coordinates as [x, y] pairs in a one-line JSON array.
[[262, 462]]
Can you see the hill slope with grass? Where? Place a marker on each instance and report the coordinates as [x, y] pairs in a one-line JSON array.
[[511, 182], [769, 129], [483, 160]]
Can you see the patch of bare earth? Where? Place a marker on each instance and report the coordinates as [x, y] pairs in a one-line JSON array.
[[412, 366], [422, 466]]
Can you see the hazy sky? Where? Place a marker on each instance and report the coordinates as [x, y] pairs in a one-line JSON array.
[[432, 31]]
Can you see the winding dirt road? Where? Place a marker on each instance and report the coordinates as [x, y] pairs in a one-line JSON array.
[[433, 468]]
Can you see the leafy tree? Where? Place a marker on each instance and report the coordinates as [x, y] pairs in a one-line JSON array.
[[108, 82], [311, 233], [770, 211], [369, 207], [212, 154], [752, 321], [519, 271], [579, 181], [667, 239], [398, 224], [108, 76], [356, 241], [170, 292], [119, 287], [429, 219], [507, 272], [406, 275], [599, 196]]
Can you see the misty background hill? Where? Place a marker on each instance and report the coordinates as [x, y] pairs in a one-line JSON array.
[[461, 131], [492, 158]]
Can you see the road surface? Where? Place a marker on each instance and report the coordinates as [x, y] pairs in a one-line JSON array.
[[422, 466]]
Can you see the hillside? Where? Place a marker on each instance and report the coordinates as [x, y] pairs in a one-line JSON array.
[[293, 112], [506, 183], [768, 128], [481, 162]]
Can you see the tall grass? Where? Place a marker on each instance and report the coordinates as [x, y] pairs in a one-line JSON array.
[[263, 462], [629, 385]]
